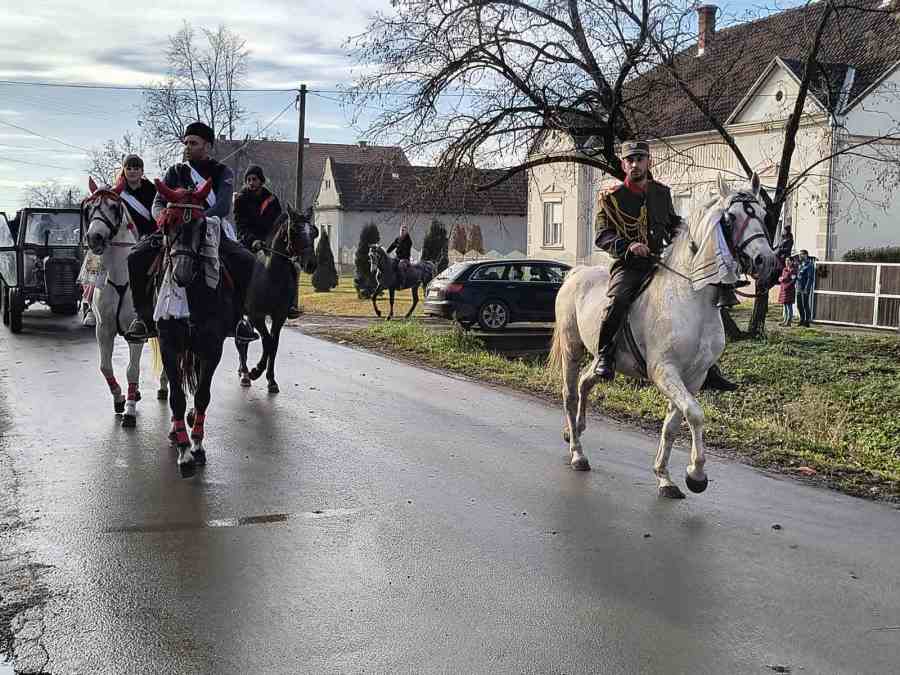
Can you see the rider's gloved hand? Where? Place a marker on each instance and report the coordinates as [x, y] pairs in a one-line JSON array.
[[639, 249]]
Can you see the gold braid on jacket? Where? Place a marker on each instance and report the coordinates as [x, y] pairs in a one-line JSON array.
[[627, 226]]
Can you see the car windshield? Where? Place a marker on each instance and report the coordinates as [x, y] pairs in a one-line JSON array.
[[64, 229]]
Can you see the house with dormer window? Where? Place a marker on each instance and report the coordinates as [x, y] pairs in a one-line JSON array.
[[749, 75]]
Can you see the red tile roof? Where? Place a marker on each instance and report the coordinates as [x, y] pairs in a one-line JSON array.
[[425, 189], [278, 160], [735, 57]]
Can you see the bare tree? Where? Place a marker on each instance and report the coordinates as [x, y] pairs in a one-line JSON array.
[[203, 78], [480, 83], [52, 195], [106, 161]]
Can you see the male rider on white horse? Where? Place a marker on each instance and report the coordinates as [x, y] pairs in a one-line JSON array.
[[635, 221], [198, 140]]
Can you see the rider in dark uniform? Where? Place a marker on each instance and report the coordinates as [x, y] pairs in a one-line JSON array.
[[198, 139], [636, 220], [403, 246], [256, 210]]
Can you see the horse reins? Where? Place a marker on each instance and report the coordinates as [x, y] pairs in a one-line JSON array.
[[727, 229]]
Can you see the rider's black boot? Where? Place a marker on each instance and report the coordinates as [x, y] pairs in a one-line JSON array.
[[716, 381], [605, 363], [294, 310], [141, 330], [727, 297]]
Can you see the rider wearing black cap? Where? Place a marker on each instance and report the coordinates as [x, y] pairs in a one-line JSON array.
[[635, 221], [197, 167], [256, 210]]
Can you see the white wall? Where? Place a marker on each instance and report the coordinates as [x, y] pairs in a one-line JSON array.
[[877, 114]]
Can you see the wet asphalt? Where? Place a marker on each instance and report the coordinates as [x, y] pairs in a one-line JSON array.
[[379, 518]]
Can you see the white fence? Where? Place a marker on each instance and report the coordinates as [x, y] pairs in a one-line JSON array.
[[857, 294]]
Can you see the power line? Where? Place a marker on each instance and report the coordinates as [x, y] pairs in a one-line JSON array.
[[259, 133], [115, 87], [45, 166], [47, 138]]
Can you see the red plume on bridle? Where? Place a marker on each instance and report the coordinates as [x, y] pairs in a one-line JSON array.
[[92, 186], [182, 204], [120, 185]]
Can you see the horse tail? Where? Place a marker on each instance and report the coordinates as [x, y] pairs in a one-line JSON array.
[[566, 344], [157, 356], [190, 367]]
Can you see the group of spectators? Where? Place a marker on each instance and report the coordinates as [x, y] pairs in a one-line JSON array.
[[796, 281]]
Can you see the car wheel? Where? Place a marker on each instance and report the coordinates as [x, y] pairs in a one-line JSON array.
[[4, 300], [16, 307], [493, 315]]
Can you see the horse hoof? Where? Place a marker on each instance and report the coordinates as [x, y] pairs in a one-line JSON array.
[[245, 380], [187, 469], [566, 436], [581, 464], [670, 492], [190, 417], [273, 388], [199, 456], [696, 486], [137, 396], [119, 407], [129, 421], [162, 394]]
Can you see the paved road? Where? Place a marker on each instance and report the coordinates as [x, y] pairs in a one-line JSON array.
[[379, 518]]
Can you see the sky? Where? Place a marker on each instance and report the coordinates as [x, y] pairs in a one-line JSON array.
[[46, 132]]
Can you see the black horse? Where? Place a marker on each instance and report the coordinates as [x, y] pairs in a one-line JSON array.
[[384, 268], [191, 347], [272, 289]]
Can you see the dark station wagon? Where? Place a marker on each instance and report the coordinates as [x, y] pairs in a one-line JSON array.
[[495, 293]]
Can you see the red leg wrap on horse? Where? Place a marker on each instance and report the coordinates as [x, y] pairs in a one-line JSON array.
[[132, 391], [113, 384]]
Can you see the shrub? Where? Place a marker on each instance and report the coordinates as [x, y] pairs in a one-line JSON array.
[[458, 238], [363, 280], [325, 277], [885, 254], [474, 241], [435, 246]]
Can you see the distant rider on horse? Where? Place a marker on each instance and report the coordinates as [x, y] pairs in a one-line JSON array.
[[403, 246], [198, 166], [636, 220], [256, 210]]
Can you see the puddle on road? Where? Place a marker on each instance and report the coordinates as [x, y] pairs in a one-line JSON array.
[[264, 519]]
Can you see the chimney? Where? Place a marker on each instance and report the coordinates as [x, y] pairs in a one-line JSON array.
[[706, 26]]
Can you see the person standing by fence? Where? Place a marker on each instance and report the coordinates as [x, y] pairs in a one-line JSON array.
[[787, 290], [806, 274]]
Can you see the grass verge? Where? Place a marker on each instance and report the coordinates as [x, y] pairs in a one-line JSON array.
[[808, 398], [343, 301]]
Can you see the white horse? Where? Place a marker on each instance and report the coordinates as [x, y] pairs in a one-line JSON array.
[[111, 234], [677, 329]]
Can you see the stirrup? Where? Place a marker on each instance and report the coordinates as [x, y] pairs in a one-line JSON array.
[[605, 367], [139, 332], [294, 313], [727, 298]]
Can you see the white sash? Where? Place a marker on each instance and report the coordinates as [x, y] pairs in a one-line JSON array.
[[198, 181], [227, 227], [136, 205]]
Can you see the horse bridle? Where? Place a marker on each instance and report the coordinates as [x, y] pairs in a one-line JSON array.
[[727, 224], [186, 218], [289, 249], [91, 214]]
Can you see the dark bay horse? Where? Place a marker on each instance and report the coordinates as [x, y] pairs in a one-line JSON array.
[[386, 277], [193, 314], [288, 250]]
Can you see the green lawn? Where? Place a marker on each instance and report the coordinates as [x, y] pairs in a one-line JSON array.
[[808, 397], [342, 301]]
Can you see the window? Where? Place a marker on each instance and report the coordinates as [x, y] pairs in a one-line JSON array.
[[327, 184], [490, 273], [553, 224], [556, 273]]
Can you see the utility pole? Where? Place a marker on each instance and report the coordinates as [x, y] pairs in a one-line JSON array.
[[298, 196]]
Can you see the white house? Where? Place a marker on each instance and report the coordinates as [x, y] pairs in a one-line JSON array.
[[354, 195], [750, 75]]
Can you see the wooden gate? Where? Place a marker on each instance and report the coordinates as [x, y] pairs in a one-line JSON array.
[[857, 294]]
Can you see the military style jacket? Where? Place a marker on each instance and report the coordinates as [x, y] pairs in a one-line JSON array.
[[625, 217], [255, 214]]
